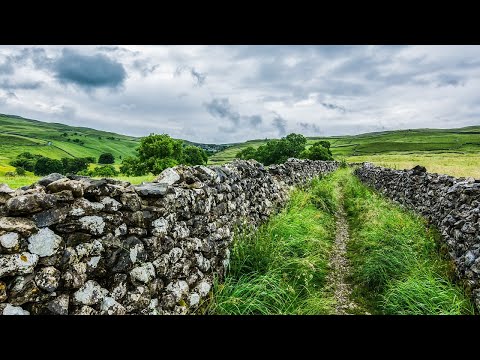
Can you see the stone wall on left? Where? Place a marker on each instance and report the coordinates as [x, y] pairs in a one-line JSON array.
[[74, 245]]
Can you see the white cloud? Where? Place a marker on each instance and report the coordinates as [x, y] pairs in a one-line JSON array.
[[327, 90]]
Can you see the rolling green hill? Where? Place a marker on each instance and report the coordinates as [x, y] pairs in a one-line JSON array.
[[450, 151], [55, 140], [464, 140]]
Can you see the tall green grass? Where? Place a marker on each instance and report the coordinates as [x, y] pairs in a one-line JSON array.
[[281, 268], [397, 264]]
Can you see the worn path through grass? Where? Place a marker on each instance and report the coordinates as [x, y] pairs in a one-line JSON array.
[[340, 266]]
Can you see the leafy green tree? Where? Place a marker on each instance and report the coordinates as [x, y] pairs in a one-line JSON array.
[[276, 151], [20, 171], [106, 158], [158, 152], [248, 153], [105, 171], [73, 166], [324, 143], [193, 155], [45, 166], [318, 151], [25, 160], [132, 166]]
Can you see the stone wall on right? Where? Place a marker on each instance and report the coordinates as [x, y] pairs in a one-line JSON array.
[[451, 204]]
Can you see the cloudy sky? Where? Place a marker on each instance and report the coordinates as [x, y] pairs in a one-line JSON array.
[[223, 94]]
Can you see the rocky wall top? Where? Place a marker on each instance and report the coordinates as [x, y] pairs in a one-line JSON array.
[[74, 245]]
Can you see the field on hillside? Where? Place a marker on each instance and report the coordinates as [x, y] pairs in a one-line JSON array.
[[55, 140], [452, 151]]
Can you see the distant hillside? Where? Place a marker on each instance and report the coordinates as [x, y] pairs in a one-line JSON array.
[[463, 140], [56, 140]]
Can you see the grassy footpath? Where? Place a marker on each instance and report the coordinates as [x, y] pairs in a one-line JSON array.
[[398, 266], [281, 268]]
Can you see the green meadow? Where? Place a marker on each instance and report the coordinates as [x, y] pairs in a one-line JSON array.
[[450, 151]]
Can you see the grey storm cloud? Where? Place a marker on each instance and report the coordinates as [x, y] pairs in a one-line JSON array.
[[230, 92], [310, 127], [144, 66], [450, 80], [33, 85], [280, 124], [254, 120], [221, 108], [89, 71], [6, 68], [333, 107], [198, 77]]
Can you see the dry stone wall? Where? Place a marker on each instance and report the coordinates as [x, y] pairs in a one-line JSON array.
[[74, 245], [452, 204]]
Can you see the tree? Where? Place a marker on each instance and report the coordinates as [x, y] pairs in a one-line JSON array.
[[73, 166], [158, 152], [276, 151], [45, 166], [318, 151], [247, 153], [105, 171], [132, 166], [20, 171], [106, 158], [25, 160], [194, 155]]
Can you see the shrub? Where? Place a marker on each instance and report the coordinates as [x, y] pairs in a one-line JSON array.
[[104, 171], [158, 152], [193, 155], [73, 166], [318, 151], [106, 158], [276, 151], [20, 171], [45, 166]]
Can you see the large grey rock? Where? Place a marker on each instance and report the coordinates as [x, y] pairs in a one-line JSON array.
[[168, 176], [24, 290], [90, 294], [20, 225], [59, 305], [131, 201], [75, 186], [14, 310], [44, 243], [15, 264], [46, 180], [93, 224], [179, 289], [111, 205], [110, 306], [152, 189], [160, 227], [5, 193], [31, 203], [9, 240], [5, 189], [144, 273], [48, 278], [50, 217]]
